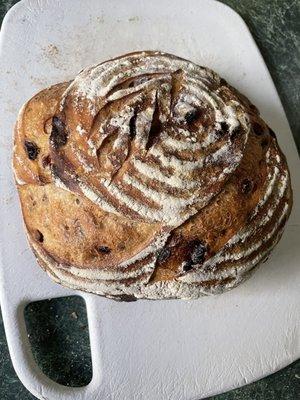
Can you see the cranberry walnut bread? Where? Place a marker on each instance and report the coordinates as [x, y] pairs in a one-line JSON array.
[[149, 177]]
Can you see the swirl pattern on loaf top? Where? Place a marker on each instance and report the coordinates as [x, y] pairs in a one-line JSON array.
[[151, 136], [149, 176]]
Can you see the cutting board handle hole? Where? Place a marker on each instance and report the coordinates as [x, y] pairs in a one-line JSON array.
[[59, 337]]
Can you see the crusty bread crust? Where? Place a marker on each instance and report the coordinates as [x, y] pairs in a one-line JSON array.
[[149, 177]]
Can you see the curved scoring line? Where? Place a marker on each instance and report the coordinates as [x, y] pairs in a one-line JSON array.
[[157, 289], [241, 236], [236, 269], [193, 95], [105, 274], [169, 216], [93, 82], [244, 233], [163, 199], [247, 232], [171, 161], [183, 167], [131, 90], [154, 173], [151, 250], [175, 144], [109, 274], [97, 199], [221, 257]]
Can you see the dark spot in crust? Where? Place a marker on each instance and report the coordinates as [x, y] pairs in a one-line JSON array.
[[77, 201], [175, 240], [196, 254], [264, 142], [247, 186], [257, 128], [235, 133], [191, 116], [126, 297], [103, 249], [272, 133], [132, 126], [121, 246], [223, 129], [58, 136], [38, 236], [156, 127], [32, 149], [223, 82], [187, 266], [46, 161], [163, 254]]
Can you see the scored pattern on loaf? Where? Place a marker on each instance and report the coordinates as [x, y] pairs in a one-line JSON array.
[[157, 138], [166, 164]]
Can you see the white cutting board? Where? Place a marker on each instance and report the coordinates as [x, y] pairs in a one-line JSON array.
[[147, 350]]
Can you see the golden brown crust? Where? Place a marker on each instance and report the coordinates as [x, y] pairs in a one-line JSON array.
[[73, 157], [31, 159]]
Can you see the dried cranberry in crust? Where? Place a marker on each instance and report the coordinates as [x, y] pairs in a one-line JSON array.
[[32, 149], [38, 236], [46, 161], [58, 136], [197, 251], [164, 254], [187, 266], [247, 186], [258, 130], [192, 116], [132, 126], [223, 129], [103, 249]]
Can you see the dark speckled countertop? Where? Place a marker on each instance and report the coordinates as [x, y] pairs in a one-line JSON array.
[[58, 330]]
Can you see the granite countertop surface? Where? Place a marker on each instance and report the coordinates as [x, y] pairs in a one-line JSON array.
[[58, 329]]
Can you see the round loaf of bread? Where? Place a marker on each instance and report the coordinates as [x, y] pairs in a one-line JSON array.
[[148, 176]]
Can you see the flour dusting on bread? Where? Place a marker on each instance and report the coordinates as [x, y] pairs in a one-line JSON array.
[[158, 179]]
